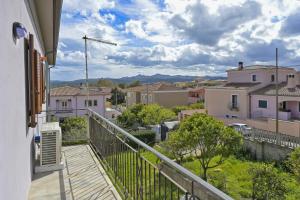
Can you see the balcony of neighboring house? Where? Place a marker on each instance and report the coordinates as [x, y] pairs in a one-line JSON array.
[[233, 106], [64, 106], [113, 165]]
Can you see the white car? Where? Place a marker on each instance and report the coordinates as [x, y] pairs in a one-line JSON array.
[[240, 127]]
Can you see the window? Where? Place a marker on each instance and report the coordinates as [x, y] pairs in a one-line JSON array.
[[272, 78], [299, 106], [234, 101], [88, 103], [253, 77], [95, 103], [282, 106], [262, 104]]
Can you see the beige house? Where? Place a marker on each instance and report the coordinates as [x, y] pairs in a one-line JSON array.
[[250, 96], [233, 99], [164, 94]]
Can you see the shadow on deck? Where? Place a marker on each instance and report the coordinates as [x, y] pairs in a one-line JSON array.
[[82, 178]]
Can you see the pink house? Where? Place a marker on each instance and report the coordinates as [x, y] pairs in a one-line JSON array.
[[250, 93], [73, 101]]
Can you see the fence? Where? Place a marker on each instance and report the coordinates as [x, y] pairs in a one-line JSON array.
[[137, 177], [272, 137]]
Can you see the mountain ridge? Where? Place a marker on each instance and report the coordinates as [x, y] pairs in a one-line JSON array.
[[142, 78]]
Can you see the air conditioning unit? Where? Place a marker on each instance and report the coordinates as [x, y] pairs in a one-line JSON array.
[[50, 147]]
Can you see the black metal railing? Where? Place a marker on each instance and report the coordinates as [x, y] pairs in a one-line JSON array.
[[138, 178]]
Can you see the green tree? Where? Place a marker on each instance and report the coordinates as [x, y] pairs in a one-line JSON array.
[[74, 128], [209, 138], [129, 117], [193, 106], [155, 114], [122, 85], [267, 183], [176, 146], [134, 83], [294, 162], [105, 83], [117, 96]]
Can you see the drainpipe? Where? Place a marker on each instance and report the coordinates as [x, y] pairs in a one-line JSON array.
[[76, 105], [250, 108]]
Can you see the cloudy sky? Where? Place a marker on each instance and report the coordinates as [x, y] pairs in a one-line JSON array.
[[186, 37]]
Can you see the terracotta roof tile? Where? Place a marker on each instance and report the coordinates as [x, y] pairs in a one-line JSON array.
[[76, 91]]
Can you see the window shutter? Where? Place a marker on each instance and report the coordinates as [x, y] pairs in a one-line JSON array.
[[43, 82], [37, 82], [32, 123]]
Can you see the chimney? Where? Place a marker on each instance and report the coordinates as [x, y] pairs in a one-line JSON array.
[[241, 66], [291, 81]]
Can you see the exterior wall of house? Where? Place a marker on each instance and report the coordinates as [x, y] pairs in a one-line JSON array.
[[262, 76], [16, 143], [144, 98], [77, 105], [170, 98], [196, 95], [270, 111], [131, 98], [218, 101]]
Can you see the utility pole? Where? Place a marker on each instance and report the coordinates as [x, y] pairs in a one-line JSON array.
[[147, 93], [86, 73], [116, 98], [86, 65], [277, 114]]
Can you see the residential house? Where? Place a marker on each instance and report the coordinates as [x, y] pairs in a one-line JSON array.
[[70, 101], [163, 94], [29, 37], [250, 93], [196, 94]]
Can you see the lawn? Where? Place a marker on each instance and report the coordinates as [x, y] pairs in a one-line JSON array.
[[238, 181], [232, 176]]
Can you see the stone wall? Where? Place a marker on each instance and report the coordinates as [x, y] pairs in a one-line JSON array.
[[261, 150]]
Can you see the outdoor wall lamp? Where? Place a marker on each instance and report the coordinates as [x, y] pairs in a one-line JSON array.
[[19, 31]]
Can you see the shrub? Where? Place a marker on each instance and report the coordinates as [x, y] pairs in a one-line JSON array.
[[267, 182], [74, 129], [218, 179], [146, 136], [294, 162]]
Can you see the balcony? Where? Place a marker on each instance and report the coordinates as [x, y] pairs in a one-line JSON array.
[[64, 110], [233, 107], [113, 161]]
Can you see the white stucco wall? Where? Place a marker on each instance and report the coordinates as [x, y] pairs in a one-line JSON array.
[[16, 137], [78, 105], [270, 112], [262, 76], [218, 101]]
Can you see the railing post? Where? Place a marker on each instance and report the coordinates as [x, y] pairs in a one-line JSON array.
[[88, 126]]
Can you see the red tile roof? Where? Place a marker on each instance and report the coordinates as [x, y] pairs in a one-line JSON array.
[[76, 91]]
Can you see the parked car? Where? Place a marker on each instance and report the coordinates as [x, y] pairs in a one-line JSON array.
[[240, 127]]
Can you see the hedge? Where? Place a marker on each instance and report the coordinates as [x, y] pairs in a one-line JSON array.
[[146, 136]]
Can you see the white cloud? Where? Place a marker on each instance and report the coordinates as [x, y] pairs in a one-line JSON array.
[[182, 37], [136, 28]]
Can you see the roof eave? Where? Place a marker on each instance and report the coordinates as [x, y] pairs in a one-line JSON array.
[[48, 13]]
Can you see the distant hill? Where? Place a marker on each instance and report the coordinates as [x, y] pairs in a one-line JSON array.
[[141, 78]]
